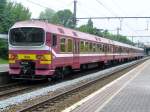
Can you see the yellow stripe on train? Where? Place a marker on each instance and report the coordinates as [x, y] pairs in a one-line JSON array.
[[12, 61], [26, 56], [47, 56], [45, 62], [34, 57]]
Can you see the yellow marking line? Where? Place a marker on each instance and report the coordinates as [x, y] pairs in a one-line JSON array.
[[71, 108], [106, 102]]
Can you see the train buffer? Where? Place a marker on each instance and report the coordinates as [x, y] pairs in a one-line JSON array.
[[4, 68], [129, 93]]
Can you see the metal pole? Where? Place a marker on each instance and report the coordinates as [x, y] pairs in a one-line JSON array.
[[74, 13], [118, 31], [132, 41]]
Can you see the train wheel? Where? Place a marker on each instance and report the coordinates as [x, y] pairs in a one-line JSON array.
[[49, 79], [59, 74]]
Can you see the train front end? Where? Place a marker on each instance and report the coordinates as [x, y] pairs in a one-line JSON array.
[[29, 53]]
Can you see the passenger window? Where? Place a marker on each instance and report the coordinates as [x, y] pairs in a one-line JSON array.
[[69, 45], [54, 40], [86, 46], [97, 47], [62, 45], [100, 48], [81, 46], [106, 48], [90, 47], [94, 47]]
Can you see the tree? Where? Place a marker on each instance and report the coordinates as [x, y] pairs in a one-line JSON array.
[[3, 49], [47, 14], [63, 17], [12, 13], [90, 23], [2, 7], [89, 28]]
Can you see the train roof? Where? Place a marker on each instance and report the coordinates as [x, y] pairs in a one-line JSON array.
[[56, 29]]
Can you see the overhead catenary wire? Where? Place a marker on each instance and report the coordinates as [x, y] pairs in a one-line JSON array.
[[136, 17], [43, 6], [111, 11]]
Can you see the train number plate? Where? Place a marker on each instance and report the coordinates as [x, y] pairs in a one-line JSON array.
[[27, 56]]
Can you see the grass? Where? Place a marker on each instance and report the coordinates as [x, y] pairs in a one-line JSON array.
[[2, 61]]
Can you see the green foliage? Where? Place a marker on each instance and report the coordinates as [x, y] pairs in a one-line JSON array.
[[3, 61], [2, 6], [11, 13], [88, 28], [62, 17], [3, 49], [47, 14]]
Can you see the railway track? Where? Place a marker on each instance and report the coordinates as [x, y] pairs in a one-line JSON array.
[[17, 88], [52, 104], [8, 86], [14, 89]]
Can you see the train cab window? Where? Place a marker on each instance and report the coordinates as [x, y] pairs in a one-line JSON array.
[[63, 45], [70, 45], [54, 40]]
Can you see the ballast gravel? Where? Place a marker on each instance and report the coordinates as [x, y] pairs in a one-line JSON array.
[[5, 104]]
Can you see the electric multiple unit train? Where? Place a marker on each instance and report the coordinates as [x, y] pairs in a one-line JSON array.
[[42, 50]]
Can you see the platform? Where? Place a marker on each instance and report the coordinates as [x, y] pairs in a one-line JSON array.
[[4, 76], [4, 67], [129, 93]]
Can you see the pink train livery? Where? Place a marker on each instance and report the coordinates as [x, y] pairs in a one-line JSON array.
[[39, 50]]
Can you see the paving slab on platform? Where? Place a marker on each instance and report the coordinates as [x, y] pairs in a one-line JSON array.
[[129, 93], [135, 97]]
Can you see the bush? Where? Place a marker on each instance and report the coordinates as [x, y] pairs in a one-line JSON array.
[[3, 49]]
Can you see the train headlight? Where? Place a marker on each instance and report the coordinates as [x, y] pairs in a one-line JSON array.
[[13, 57], [45, 57], [39, 57]]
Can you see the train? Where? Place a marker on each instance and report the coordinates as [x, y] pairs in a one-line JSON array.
[[41, 50]]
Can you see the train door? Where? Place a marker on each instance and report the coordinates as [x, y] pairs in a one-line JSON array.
[[76, 63], [113, 51]]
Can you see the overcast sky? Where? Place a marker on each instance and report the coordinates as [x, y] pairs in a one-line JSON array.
[[103, 8]]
